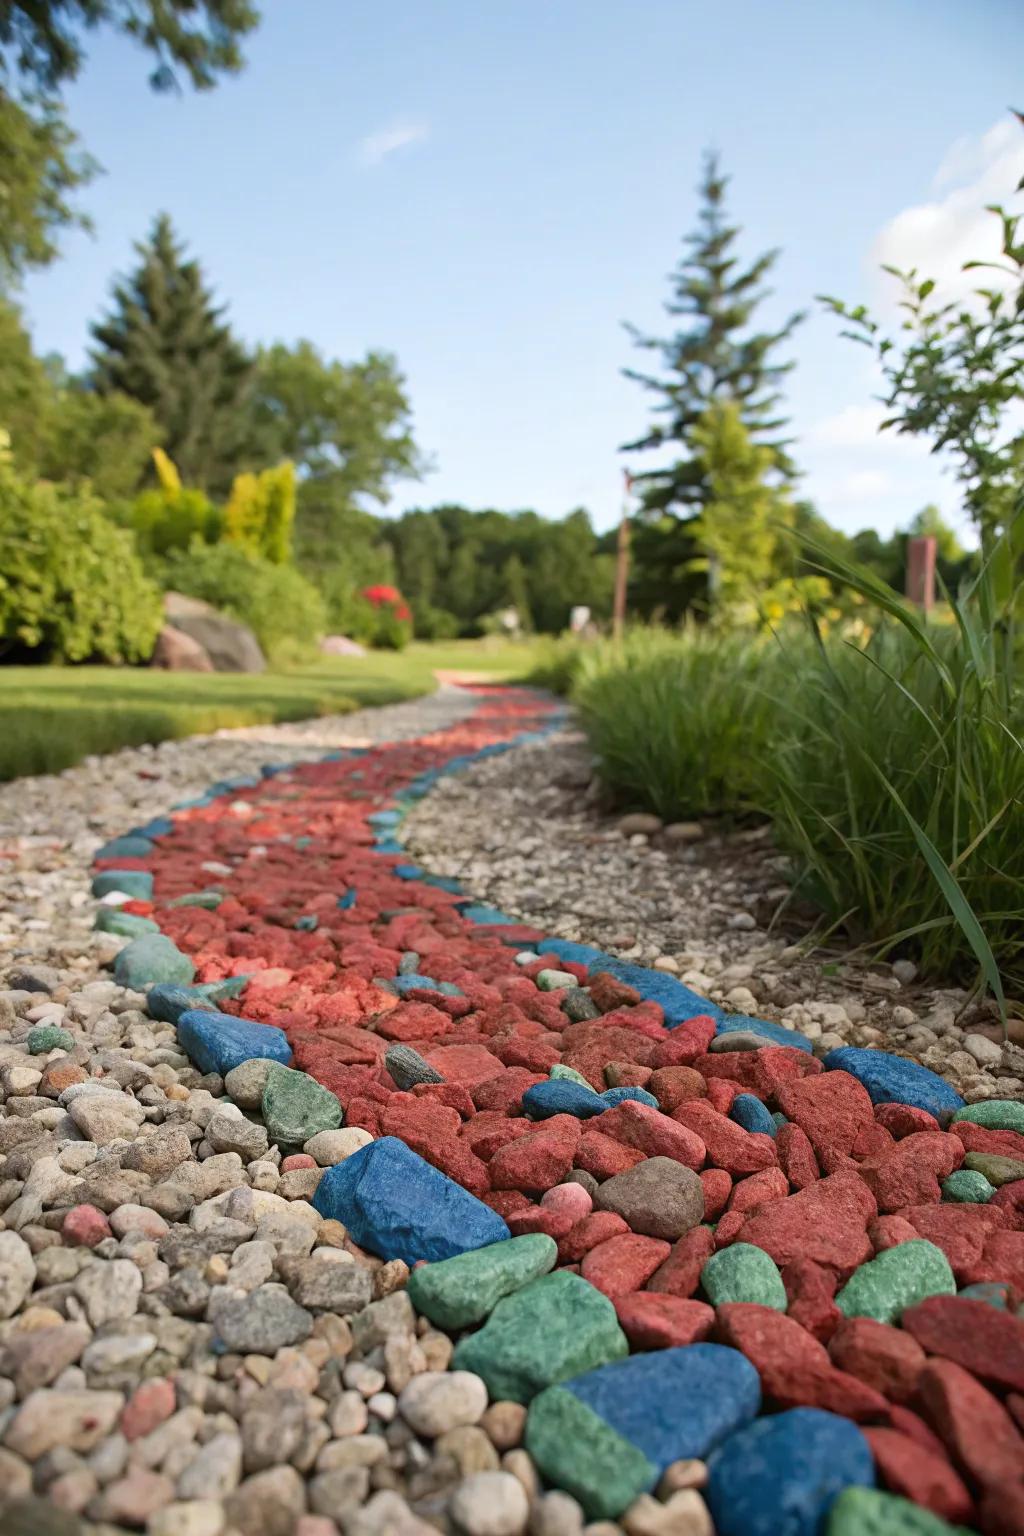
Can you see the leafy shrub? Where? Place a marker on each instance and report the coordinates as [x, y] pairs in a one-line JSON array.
[[260, 513], [166, 521], [387, 619], [72, 587], [282, 608], [434, 623]]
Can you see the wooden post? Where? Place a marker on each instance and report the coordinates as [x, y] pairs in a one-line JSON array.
[[920, 585], [622, 562]]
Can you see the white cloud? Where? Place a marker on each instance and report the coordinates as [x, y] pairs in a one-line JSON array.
[[386, 141], [938, 237]]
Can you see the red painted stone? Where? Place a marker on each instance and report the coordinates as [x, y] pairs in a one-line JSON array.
[[974, 1426], [886, 1358], [680, 1273], [603, 1156], [651, 1132], [297, 1160], [910, 1172], [832, 1109], [721, 1093], [904, 1120], [888, 1231], [1002, 1510], [650, 1321], [624, 1263], [794, 1367], [728, 1145], [961, 1231], [758, 1189], [906, 1468], [596, 1228], [826, 1223], [717, 1187], [608, 992], [85, 1226], [671, 1085], [536, 1218], [540, 1159], [796, 1156], [810, 1289], [984, 1340]]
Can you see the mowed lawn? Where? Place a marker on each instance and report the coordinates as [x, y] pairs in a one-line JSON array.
[[52, 717]]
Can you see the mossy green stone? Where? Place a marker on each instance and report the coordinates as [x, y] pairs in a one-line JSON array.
[[568, 1075], [577, 1451], [898, 1278], [126, 924], [554, 1328], [742, 1272], [458, 1292], [208, 899], [48, 1037], [295, 1106], [554, 981], [151, 958], [968, 1187], [869, 1512], [998, 1170], [995, 1114]]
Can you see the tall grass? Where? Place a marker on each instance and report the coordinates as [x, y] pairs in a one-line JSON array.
[[893, 771]]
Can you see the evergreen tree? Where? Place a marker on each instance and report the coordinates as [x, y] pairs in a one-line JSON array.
[[714, 356], [166, 345], [736, 531]]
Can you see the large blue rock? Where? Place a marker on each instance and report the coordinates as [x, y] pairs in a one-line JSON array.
[[748, 1111], [136, 883], [397, 1205], [772, 1034], [130, 846], [217, 1042], [576, 954], [613, 1096], [892, 1080], [674, 1403], [678, 1002], [561, 1096], [779, 1475], [486, 917]]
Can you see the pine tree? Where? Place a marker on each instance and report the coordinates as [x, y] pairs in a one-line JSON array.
[[737, 530], [166, 345], [715, 356]]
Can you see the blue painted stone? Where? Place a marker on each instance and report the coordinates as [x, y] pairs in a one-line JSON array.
[[678, 1002], [779, 1475], [395, 1204], [408, 871], [384, 818], [673, 1403], [613, 1096], [444, 883], [159, 826], [386, 844], [413, 982], [136, 883], [748, 1111], [130, 846], [773, 1034], [996, 1293], [308, 923], [168, 1002], [561, 1096], [779, 1118], [486, 917], [152, 957], [348, 901], [891, 1080], [217, 1042], [576, 954]]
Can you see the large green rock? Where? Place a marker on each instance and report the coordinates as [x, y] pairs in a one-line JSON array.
[[576, 1450], [898, 1278], [869, 1512], [151, 958], [742, 1272], [126, 924], [555, 1327], [995, 1114], [295, 1106], [998, 1170], [459, 1292]]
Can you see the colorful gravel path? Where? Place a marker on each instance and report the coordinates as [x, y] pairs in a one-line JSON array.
[[673, 1233]]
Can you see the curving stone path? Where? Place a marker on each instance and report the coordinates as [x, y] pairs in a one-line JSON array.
[[704, 1278]]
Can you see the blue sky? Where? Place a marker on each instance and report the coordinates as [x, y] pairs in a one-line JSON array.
[[489, 189]]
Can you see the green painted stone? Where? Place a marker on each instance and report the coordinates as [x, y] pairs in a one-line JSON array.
[[568, 1075], [553, 981], [998, 1170], [150, 958], [48, 1037], [577, 1451], [996, 1114], [295, 1106], [968, 1187], [898, 1278], [458, 1292], [554, 1328], [208, 899], [742, 1272], [869, 1512], [127, 924]]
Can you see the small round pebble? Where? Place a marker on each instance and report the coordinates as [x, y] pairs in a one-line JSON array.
[[490, 1504]]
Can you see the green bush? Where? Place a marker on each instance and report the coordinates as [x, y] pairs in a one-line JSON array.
[[166, 521], [71, 585], [434, 623], [675, 719], [282, 608]]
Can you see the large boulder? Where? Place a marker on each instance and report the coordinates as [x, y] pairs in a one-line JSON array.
[[231, 646], [177, 652]]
